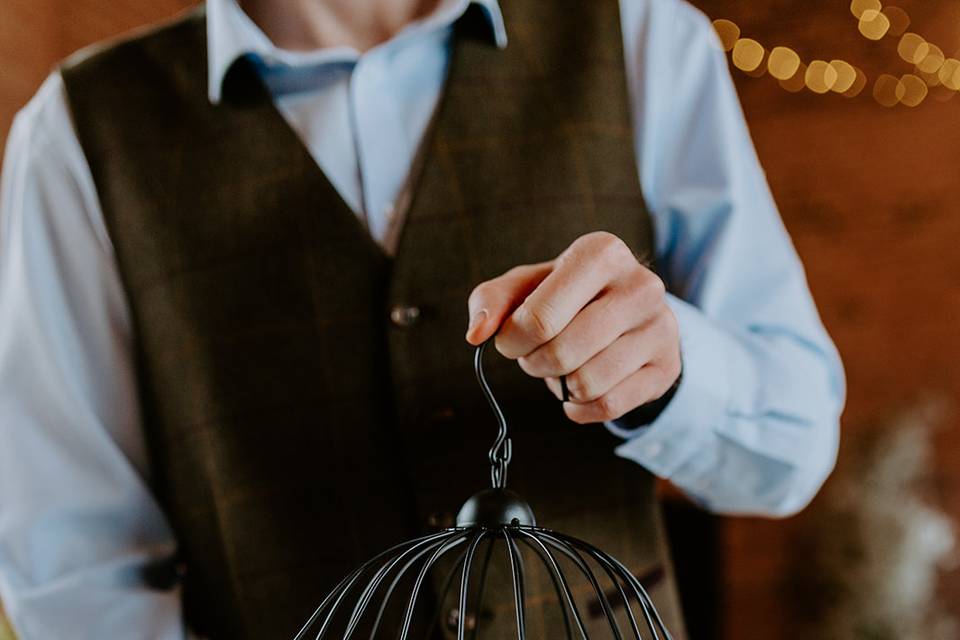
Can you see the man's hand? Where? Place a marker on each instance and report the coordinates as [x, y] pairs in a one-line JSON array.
[[594, 314]]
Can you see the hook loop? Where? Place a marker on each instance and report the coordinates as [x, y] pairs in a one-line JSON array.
[[502, 450]]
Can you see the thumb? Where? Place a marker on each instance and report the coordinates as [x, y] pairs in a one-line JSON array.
[[492, 301]]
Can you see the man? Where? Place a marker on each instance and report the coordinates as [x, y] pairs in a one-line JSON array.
[[239, 254]]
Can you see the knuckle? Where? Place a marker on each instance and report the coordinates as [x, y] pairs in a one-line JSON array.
[[581, 386], [649, 284], [555, 358], [655, 284], [673, 327], [672, 369], [519, 270], [612, 248], [575, 414], [608, 406], [645, 286], [536, 321]]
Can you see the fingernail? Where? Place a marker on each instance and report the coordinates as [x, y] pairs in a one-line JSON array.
[[476, 319]]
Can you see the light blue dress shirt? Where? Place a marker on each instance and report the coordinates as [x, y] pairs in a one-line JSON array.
[[752, 429]]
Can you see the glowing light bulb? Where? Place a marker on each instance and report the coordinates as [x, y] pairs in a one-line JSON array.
[[728, 33], [888, 90], [912, 48], [899, 20], [933, 60], [914, 90], [846, 75], [949, 74], [874, 24], [747, 54], [820, 76], [858, 84], [797, 82], [858, 7], [783, 63]]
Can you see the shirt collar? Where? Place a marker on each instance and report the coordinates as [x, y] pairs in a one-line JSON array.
[[232, 34]]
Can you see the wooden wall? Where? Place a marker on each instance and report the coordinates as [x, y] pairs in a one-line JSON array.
[[872, 199], [869, 194]]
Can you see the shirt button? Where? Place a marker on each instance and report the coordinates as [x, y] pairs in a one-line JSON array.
[[404, 316]]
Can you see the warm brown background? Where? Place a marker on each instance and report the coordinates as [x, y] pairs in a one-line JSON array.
[[870, 195]]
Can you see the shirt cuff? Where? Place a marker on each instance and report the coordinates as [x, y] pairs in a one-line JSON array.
[[713, 360]]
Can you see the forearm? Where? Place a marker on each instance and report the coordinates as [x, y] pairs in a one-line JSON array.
[[78, 522], [753, 426]]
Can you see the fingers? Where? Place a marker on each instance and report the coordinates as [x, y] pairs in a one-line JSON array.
[[588, 267], [601, 373], [642, 386], [492, 301], [591, 331]]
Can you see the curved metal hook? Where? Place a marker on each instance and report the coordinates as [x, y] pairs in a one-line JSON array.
[[502, 450]]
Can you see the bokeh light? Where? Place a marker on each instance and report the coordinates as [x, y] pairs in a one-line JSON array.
[[858, 84], [874, 24], [932, 79], [858, 7], [747, 54], [913, 48], [888, 90], [820, 76], [797, 82], [846, 75], [899, 20], [949, 74], [914, 90], [933, 60], [728, 33], [934, 74], [783, 63]]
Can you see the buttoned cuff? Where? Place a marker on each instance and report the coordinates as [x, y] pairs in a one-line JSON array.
[[713, 362]]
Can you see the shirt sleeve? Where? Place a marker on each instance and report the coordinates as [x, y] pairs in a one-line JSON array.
[[79, 528], [753, 427]]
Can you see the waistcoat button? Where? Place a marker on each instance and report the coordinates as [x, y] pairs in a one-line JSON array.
[[404, 316]]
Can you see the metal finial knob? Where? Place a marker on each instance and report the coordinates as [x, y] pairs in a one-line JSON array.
[[492, 508]]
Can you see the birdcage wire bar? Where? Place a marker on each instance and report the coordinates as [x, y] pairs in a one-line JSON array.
[[502, 520]]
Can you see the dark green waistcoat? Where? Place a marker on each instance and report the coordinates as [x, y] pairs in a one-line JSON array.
[[294, 429]]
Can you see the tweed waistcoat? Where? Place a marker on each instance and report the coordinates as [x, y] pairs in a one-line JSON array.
[[295, 425]]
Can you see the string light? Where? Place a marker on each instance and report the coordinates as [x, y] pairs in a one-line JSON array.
[[934, 74], [934, 59], [859, 7], [874, 24], [899, 20], [784, 64], [729, 33], [846, 76], [914, 90], [912, 48], [858, 84], [949, 74], [747, 54], [820, 76], [888, 90]]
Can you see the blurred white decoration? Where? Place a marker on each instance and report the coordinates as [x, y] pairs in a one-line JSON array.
[[879, 544]]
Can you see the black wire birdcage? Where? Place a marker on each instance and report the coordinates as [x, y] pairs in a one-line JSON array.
[[401, 592]]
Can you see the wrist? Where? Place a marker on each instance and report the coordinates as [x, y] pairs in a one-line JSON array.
[[649, 411]]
